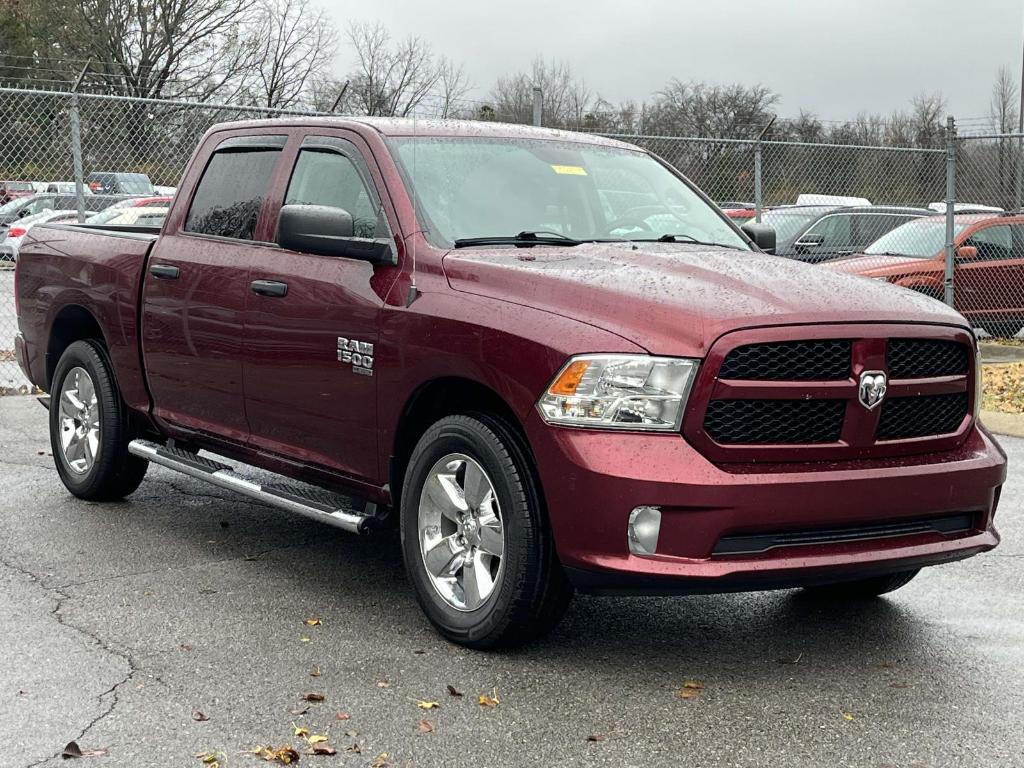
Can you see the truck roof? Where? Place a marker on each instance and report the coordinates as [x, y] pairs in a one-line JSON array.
[[409, 126]]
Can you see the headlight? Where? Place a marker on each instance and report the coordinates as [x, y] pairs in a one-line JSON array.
[[620, 392]]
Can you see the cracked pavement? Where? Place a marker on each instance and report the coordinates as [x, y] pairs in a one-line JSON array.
[[118, 621]]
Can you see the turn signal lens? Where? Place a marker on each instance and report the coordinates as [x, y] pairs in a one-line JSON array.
[[569, 379]]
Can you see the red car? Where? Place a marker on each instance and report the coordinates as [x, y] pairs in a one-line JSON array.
[[552, 359], [12, 189], [988, 278]]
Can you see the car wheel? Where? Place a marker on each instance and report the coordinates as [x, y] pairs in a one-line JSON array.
[[863, 588], [475, 538], [89, 427]]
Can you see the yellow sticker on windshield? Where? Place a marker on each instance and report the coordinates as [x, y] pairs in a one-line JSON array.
[[569, 170]]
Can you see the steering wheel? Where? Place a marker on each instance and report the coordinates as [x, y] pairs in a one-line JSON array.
[[642, 213]]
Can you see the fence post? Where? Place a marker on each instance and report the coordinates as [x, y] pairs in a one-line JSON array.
[[950, 207], [76, 157], [538, 106], [758, 161]]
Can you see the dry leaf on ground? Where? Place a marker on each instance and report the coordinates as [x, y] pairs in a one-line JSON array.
[[426, 726], [489, 701], [423, 704], [199, 717], [315, 697], [453, 692], [72, 750], [285, 754]]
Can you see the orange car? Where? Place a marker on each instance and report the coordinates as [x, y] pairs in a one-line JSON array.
[[988, 278]]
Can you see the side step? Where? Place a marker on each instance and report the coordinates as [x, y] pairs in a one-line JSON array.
[[312, 503]]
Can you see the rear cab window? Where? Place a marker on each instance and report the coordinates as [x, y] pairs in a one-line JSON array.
[[233, 186]]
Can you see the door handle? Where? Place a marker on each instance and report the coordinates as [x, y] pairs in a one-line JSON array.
[[269, 288], [164, 271]]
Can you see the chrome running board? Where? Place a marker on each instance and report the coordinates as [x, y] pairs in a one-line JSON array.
[[310, 502]]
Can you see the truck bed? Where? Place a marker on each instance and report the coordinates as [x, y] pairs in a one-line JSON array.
[[72, 268]]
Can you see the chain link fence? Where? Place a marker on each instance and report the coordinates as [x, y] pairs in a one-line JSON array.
[[877, 211]]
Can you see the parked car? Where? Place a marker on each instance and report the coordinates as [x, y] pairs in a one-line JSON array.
[[11, 238], [118, 209], [65, 188], [547, 354], [109, 183], [817, 233], [28, 206], [148, 216], [10, 190], [988, 278]]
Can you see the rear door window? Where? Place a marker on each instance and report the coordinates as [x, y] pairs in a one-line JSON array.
[[232, 189], [835, 229]]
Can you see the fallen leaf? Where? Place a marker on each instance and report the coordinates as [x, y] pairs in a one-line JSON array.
[[351, 734], [419, 652], [899, 685], [847, 716], [199, 717], [314, 697], [317, 738], [426, 726], [314, 672], [73, 750], [343, 716], [285, 755], [427, 704], [299, 730], [302, 711], [185, 647], [303, 639], [207, 591], [453, 692], [383, 684], [313, 622], [695, 685], [210, 759], [691, 689], [380, 761], [324, 749], [355, 749], [596, 737], [489, 701]]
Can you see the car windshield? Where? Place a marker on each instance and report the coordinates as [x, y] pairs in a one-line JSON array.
[[496, 188], [918, 239], [790, 223]]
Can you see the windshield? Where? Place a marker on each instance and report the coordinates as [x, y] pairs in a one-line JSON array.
[[790, 223], [919, 239], [471, 187]]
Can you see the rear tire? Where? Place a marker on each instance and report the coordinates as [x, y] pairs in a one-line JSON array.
[[472, 595], [89, 427], [863, 588]]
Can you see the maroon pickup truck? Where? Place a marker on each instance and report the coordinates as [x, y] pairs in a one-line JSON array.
[[546, 357]]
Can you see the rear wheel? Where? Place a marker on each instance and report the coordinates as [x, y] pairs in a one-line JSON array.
[[89, 427], [864, 588], [475, 539]]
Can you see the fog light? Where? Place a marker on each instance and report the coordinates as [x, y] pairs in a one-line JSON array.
[[644, 526]]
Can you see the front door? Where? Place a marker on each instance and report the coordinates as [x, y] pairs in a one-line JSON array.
[[990, 286], [312, 326], [196, 287]]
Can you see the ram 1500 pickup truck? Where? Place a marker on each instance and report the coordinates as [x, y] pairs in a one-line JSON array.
[[547, 358]]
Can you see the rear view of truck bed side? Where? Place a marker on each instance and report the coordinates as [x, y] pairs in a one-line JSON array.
[[76, 282]]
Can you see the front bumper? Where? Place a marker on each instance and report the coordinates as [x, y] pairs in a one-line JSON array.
[[592, 480]]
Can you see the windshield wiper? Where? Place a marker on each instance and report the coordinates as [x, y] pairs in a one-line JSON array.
[[525, 239], [681, 238]]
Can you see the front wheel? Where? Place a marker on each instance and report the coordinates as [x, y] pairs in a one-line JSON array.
[[475, 539], [89, 427], [864, 588]]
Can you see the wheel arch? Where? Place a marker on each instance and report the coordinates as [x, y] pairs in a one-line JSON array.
[[447, 396], [72, 323]]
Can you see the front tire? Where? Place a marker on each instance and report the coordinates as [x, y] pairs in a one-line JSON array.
[[475, 540], [863, 588], [89, 427]]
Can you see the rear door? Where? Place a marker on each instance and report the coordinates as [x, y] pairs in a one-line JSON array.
[[991, 285], [309, 376], [197, 284]]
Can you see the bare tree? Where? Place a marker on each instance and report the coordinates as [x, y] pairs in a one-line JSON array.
[[720, 111], [453, 85], [566, 98], [391, 78], [926, 115], [156, 48], [295, 45], [1003, 109]]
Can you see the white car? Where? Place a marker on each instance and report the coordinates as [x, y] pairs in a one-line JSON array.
[[17, 231]]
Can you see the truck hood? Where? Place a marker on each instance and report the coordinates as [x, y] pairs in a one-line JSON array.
[[676, 299]]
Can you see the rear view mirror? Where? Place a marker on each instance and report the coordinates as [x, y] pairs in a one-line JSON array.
[[967, 252], [762, 235], [329, 231]]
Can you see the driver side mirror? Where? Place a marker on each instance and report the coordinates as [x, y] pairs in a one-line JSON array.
[[327, 231], [967, 252], [762, 235]]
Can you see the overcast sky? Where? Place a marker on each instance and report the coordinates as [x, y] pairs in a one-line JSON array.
[[834, 57]]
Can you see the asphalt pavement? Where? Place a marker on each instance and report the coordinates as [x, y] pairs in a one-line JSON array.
[[174, 625]]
